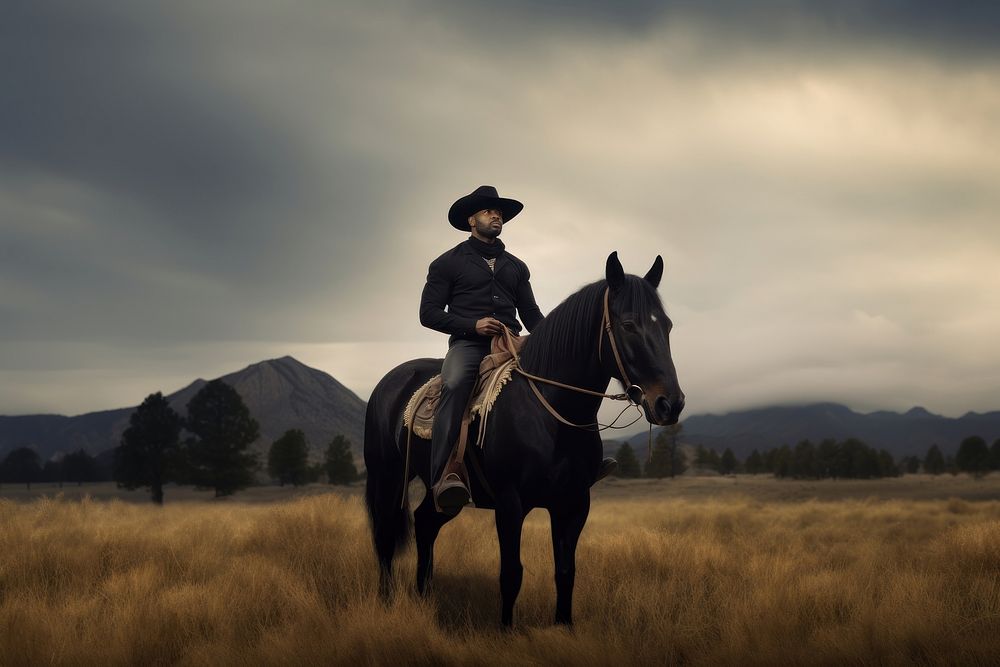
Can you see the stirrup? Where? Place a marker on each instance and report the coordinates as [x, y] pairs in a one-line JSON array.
[[451, 494]]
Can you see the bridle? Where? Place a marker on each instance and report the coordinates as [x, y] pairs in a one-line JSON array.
[[633, 397], [606, 326]]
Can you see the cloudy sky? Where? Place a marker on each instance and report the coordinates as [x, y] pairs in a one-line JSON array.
[[187, 187]]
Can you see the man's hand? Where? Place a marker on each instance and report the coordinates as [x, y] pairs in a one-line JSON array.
[[488, 326]]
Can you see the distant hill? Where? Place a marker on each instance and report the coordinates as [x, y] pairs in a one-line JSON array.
[[280, 394], [285, 393], [906, 434]]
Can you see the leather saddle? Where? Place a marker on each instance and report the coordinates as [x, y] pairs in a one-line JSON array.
[[494, 372]]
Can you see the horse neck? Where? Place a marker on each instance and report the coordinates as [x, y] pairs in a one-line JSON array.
[[579, 368]]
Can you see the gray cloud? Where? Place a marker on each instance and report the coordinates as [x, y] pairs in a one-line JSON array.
[[948, 30], [204, 186], [123, 100], [182, 182]]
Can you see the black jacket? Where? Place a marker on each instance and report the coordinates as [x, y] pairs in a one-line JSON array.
[[461, 280]]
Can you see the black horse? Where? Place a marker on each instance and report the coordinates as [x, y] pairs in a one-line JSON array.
[[529, 458]]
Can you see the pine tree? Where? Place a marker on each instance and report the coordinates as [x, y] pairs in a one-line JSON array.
[[678, 464], [886, 465], [934, 463], [223, 431], [754, 463], [628, 464], [827, 458], [706, 458], [80, 467], [666, 458], [659, 464], [857, 460], [21, 466], [804, 462], [781, 461], [973, 456], [770, 457], [340, 468], [869, 464], [149, 453], [673, 435], [288, 458], [727, 464]]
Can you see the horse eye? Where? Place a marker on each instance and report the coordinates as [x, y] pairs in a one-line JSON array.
[[628, 325]]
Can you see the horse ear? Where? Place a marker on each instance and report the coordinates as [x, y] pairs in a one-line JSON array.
[[655, 272], [614, 272]]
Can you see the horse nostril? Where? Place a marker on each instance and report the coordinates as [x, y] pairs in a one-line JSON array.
[[662, 407]]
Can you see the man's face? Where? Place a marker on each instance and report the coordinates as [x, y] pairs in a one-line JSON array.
[[487, 222]]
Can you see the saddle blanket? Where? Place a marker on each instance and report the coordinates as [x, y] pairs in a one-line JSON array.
[[494, 372]]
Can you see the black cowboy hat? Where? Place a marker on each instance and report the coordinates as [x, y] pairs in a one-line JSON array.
[[483, 197]]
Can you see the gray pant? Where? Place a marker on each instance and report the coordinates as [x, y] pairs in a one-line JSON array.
[[458, 374]]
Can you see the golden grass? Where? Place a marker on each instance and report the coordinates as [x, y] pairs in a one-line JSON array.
[[659, 581]]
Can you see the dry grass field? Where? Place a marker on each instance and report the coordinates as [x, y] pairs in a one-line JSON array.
[[697, 571]]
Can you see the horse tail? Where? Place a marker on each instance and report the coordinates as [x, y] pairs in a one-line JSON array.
[[388, 512]]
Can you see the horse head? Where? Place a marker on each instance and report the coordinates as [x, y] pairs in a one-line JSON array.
[[639, 328]]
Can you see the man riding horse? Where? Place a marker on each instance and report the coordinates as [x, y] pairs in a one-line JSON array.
[[472, 292]]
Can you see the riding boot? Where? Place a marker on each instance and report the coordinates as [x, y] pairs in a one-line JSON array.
[[451, 493], [608, 466], [458, 374]]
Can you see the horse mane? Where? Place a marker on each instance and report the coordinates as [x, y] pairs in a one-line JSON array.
[[572, 326]]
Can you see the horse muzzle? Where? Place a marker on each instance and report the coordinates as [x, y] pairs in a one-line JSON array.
[[664, 411]]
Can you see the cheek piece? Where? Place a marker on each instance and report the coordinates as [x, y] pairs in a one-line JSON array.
[[634, 392]]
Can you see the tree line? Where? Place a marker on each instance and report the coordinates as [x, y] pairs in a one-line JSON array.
[[213, 454], [664, 458], [24, 466], [848, 459]]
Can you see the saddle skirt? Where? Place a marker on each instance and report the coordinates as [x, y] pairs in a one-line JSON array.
[[494, 372]]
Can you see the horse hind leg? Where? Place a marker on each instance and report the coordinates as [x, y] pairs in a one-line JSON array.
[[509, 521], [390, 522]]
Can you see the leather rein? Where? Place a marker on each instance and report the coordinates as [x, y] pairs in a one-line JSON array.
[[605, 328]]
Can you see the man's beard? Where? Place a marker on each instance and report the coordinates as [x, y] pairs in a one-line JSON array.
[[487, 231]]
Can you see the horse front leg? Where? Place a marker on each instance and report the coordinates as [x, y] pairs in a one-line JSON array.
[[427, 524], [567, 524], [509, 520]]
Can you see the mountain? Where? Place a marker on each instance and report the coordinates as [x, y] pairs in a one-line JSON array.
[[906, 434], [285, 393], [280, 394]]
